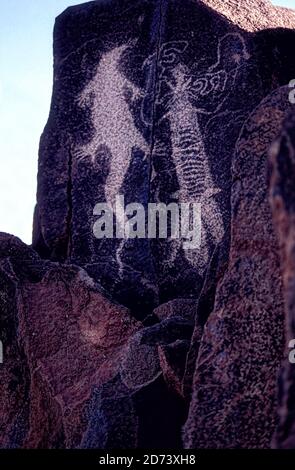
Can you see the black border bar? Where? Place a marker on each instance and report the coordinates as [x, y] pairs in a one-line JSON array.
[[98, 459]]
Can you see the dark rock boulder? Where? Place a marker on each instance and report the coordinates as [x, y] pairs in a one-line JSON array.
[[283, 205], [150, 109], [234, 390], [149, 417], [62, 338], [79, 370]]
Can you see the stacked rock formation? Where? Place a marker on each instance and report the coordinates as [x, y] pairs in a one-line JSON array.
[[115, 343]]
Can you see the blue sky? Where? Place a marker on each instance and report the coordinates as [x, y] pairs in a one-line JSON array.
[[25, 93]]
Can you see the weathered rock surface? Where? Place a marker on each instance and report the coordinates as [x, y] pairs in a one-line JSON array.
[[79, 370], [254, 15], [66, 338], [234, 389], [283, 204], [117, 343]]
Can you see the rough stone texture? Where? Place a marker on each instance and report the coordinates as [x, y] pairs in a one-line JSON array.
[[283, 204], [67, 337], [185, 308], [79, 370], [117, 344], [142, 406], [234, 389], [148, 417], [204, 306], [72, 347], [254, 15], [14, 372]]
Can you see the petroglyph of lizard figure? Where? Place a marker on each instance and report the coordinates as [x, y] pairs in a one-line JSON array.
[[191, 95]]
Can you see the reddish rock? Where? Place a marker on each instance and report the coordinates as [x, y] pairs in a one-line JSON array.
[[70, 338], [173, 359], [74, 357], [185, 308], [14, 371], [283, 205], [234, 390], [254, 15]]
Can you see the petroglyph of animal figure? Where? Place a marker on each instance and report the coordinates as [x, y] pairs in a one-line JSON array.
[[112, 120], [192, 167], [113, 125], [190, 95]]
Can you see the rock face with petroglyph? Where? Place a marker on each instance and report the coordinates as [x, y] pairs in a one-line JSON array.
[[152, 114], [152, 343]]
